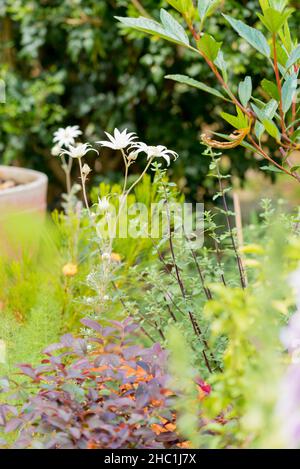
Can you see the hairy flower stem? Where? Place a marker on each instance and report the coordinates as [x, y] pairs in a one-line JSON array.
[[126, 170], [67, 167], [83, 180]]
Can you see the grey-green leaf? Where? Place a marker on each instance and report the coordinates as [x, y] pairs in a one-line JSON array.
[[196, 84], [288, 92], [267, 112], [173, 27], [251, 35], [294, 57], [151, 27], [245, 91], [203, 7]]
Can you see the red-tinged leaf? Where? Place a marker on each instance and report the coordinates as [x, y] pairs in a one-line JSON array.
[[92, 325], [28, 371], [13, 425]]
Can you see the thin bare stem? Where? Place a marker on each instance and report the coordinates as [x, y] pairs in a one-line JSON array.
[[265, 155], [237, 256], [193, 320], [140, 8], [239, 227]]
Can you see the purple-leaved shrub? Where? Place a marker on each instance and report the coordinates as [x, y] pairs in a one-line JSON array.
[[104, 391]]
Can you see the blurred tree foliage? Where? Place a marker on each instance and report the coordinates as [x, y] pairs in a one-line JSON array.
[[68, 62]]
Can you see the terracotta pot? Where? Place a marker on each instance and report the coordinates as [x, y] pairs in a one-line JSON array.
[[29, 196]]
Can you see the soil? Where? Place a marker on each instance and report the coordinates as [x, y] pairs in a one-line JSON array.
[[7, 184]]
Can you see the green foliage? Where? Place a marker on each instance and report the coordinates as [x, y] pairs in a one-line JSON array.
[[278, 46], [48, 86]]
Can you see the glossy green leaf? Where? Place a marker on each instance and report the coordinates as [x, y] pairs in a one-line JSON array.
[[196, 84], [271, 88], [239, 122], [273, 169], [255, 38], [209, 46], [264, 4], [183, 6], [271, 128], [273, 19]]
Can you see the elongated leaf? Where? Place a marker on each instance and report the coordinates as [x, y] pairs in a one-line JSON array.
[[239, 122], [209, 46], [183, 6], [273, 169], [288, 92], [222, 65], [196, 84], [206, 6], [271, 88], [294, 57], [151, 27], [245, 91], [271, 108], [267, 112], [273, 19], [272, 129], [278, 5], [264, 4], [173, 27], [259, 129], [251, 35]]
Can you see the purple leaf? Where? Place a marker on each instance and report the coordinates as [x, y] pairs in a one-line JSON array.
[[92, 325]]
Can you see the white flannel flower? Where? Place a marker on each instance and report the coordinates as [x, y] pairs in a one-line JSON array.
[[56, 150], [79, 150], [103, 204], [66, 136], [158, 151], [119, 140]]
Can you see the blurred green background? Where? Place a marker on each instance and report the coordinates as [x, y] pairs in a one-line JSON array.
[[67, 62]]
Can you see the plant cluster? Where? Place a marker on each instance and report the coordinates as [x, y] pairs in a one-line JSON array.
[[190, 337], [102, 392], [275, 110], [47, 85]]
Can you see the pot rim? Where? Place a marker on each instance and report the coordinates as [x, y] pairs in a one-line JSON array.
[[40, 179]]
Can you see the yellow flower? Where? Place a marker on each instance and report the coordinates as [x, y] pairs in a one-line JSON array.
[[115, 257], [69, 270]]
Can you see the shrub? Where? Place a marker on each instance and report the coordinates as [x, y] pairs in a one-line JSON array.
[[103, 392]]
